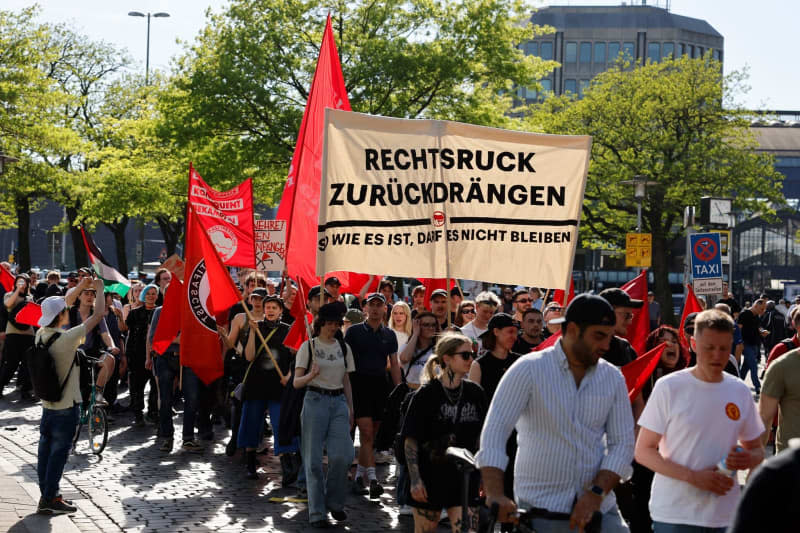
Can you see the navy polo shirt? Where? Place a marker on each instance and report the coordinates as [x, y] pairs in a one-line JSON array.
[[371, 347]]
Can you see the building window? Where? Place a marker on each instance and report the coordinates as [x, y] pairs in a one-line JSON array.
[[691, 51], [613, 51], [600, 54], [717, 55], [654, 52], [582, 86], [571, 53], [682, 48], [532, 48], [628, 51], [547, 87], [701, 51], [570, 87], [667, 50], [586, 53], [546, 50]]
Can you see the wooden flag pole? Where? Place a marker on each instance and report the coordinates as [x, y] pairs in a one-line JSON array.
[[458, 286], [544, 302], [263, 342]]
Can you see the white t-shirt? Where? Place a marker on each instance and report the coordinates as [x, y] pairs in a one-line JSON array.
[[699, 423], [470, 330], [402, 338], [414, 373], [332, 363]]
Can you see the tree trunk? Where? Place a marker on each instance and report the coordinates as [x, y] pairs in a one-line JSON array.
[[23, 255], [171, 231], [81, 258], [660, 270], [118, 230]]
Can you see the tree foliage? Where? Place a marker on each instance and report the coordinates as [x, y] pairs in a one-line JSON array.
[[666, 122]]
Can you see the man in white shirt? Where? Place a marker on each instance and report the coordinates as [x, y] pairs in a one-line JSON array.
[[486, 304], [694, 419], [575, 429]]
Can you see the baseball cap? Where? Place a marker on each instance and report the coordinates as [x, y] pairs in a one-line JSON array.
[[498, 320], [333, 281], [354, 316], [620, 298], [689, 321], [588, 310], [273, 298], [260, 292], [455, 292], [438, 292], [376, 296], [51, 307], [314, 292]]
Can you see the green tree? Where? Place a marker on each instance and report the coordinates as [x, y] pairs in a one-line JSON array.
[[664, 121], [239, 91]]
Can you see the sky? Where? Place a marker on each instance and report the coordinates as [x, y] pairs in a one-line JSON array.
[[760, 36]]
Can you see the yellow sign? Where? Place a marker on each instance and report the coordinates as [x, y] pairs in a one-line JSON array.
[[638, 250], [724, 245]]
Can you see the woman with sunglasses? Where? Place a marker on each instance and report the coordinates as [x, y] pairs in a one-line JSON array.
[[447, 410], [464, 313]]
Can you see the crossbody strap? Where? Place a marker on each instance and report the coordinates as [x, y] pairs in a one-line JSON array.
[[258, 355], [417, 357]]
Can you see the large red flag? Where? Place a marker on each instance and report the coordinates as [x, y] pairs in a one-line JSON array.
[[200, 344], [6, 279], [300, 200], [638, 371], [169, 321], [227, 217], [353, 282], [640, 327], [30, 314], [298, 333], [558, 295], [692, 305]]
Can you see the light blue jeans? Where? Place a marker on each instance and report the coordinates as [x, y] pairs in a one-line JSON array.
[[612, 523], [325, 422], [663, 527]]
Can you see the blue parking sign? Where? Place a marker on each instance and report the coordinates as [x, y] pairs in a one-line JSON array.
[[706, 255]]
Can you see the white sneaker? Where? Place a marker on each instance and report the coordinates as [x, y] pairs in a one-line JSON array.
[[405, 510], [99, 400]]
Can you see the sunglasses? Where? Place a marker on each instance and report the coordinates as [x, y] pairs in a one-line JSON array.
[[428, 325], [468, 311], [465, 355]]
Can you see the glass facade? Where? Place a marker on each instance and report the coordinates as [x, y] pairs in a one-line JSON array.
[[586, 53], [667, 50], [546, 50], [600, 54], [613, 51], [628, 50], [571, 53], [654, 52], [570, 86]]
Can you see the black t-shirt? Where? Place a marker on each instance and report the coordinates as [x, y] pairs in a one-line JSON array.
[[521, 346], [236, 309], [371, 347], [492, 370], [620, 352], [750, 324], [733, 304], [138, 321], [436, 423], [769, 501], [263, 382], [53, 290]]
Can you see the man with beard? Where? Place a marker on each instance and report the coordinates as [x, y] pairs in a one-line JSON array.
[[563, 401], [531, 333]]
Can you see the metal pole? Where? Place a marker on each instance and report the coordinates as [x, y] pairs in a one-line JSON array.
[[147, 54], [639, 216]]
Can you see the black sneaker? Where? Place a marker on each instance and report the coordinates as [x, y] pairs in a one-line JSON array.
[[230, 448], [138, 421], [166, 446], [375, 489], [359, 488], [151, 418], [321, 524], [56, 506], [192, 447], [339, 516]]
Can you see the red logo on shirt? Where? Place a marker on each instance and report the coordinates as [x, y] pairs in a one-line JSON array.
[[732, 410]]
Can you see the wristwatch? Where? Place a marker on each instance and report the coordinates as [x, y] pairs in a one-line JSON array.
[[597, 490]]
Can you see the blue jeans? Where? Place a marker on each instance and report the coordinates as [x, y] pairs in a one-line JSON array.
[[325, 422], [663, 527], [251, 425], [612, 523], [56, 431], [191, 396], [402, 484], [166, 376], [274, 419], [750, 356]]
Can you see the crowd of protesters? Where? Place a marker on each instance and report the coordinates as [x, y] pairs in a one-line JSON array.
[[554, 431]]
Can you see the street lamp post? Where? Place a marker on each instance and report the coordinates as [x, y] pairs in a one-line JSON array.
[[161, 14], [640, 184]]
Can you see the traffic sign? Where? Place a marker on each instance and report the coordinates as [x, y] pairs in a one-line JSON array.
[[638, 250], [706, 257]]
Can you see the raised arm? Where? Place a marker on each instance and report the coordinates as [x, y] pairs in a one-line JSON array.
[[99, 305]]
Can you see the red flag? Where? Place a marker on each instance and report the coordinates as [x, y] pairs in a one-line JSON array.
[[692, 305], [548, 342], [300, 199], [200, 344], [558, 295], [6, 279], [227, 218], [353, 282], [298, 333], [434, 284], [30, 314], [637, 372], [224, 293], [169, 321], [640, 327]]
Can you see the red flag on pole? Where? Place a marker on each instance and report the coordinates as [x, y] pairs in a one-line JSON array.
[[169, 321], [353, 282], [640, 327], [692, 305], [638, 372], [227, 218], [298, 333], [6, 279], [300, 200], [558, 295]]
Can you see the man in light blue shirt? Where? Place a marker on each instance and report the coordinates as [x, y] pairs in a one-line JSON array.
[[574, 424]]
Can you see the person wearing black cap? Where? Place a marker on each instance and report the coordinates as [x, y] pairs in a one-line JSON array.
[[332, 286], [324, 365], [372, 344], [438, 303], [313, 302], [573, 415]]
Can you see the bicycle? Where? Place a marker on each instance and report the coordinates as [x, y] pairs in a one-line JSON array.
[[93, 415]]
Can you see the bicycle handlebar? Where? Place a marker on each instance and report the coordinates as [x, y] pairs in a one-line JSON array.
[[83, 355]]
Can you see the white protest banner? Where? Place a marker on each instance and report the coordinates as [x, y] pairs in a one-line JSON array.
[[438, 199], [270, 244]]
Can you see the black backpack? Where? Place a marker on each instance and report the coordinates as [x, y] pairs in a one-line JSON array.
[[42, 368]]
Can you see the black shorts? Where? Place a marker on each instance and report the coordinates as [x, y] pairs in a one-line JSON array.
[[370, 395]]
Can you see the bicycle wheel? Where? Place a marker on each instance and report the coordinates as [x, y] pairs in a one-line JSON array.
[[98, 430]]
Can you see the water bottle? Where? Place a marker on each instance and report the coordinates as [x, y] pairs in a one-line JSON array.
[[723, 468]]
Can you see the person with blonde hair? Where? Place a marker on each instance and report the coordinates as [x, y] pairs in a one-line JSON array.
[[447, 410], [400, 322]]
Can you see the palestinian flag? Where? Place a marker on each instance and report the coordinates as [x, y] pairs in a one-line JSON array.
[[113, 280]]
